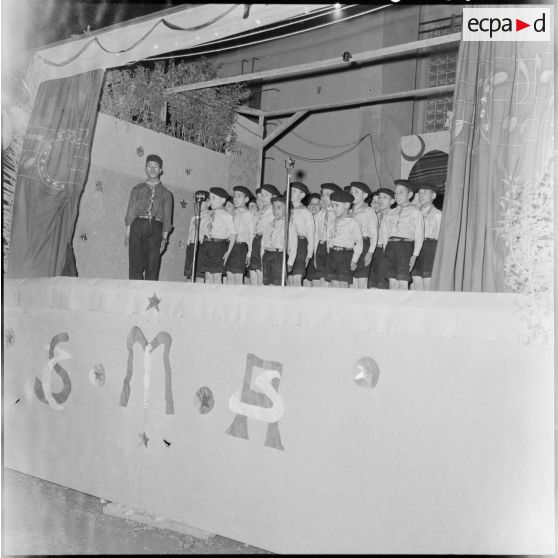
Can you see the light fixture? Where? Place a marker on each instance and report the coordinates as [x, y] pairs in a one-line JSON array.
[[347, 56], [337, 6]]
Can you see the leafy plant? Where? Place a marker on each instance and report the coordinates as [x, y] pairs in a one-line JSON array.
[[527, 231], [205, 117]]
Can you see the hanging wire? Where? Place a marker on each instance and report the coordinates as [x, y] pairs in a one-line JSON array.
[[184, 55], [140, 40]]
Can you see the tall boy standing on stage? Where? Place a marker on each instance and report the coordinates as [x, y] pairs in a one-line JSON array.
[[366, 216], [304, 224], [220, 236], [323, 221], [244, 227], [422, 272], [273, 244], [148, 222], [190, 246], [378, 279], [266, 192], [344, 241], [402, 235]]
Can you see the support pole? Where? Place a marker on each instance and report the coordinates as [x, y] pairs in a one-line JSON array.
[[289, 164], [197, 212]]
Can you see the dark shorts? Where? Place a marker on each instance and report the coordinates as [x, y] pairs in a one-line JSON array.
[[211, 259], [236, 262], [321, 261], [396, 259], [363, 271], [339, 265], [272, 267], [256, 257], [189, 262], [425, 261], [311, 270], [378, 279], [299, 266]]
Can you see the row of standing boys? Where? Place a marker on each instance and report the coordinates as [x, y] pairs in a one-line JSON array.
[[342, 237]]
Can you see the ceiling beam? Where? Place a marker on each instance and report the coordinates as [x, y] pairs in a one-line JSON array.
[[386, 97], [283, 127], [323, 65], [250, 111]]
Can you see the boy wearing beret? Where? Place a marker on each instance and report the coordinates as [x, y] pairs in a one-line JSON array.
[[344, 241], [402, 235], [219, 236], [303, 221], [244, 228], [422, 272], [378, 279], [314, 203], [148, 222], [323, 221], [203, 195], [264, 196], [273, 244], [366, 216]]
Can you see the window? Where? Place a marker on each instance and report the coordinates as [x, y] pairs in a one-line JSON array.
[[437, 69]]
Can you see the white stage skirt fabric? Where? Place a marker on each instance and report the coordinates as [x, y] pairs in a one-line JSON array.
[[292, 419]]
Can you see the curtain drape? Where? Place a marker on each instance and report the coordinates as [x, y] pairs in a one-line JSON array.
[[52, 172], [501, 130]]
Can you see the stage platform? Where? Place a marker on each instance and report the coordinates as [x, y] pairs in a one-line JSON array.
[[291, 419]]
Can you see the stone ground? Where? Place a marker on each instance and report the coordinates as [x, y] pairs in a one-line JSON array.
[[39, 517]]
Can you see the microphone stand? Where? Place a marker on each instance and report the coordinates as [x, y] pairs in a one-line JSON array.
[[289, 164], [197, 214]]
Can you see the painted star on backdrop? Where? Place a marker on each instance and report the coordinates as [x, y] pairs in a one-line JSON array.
[[153, 302], [143, 438], [183, 203]]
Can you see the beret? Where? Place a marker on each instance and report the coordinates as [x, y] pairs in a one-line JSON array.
[[361, 186], [301, 186], [387, 191], [347, 189], [221, 192], [278, 199], [154, 158], [244, 190], [341, 196], [407, 183], [330, 186], [271, 189], [314, 196]]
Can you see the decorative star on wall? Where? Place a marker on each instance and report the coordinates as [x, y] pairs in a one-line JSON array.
[[153, 302], [83, 237], [143, 438], [140, 151], [183, 203], [10, 337], [188, 171], [99, 186]]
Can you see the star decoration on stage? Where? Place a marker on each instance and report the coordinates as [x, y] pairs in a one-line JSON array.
[[140, 151], [10, 337], [153, 302], [183, 203], [83, 237], [143, 438], [99, 186]]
